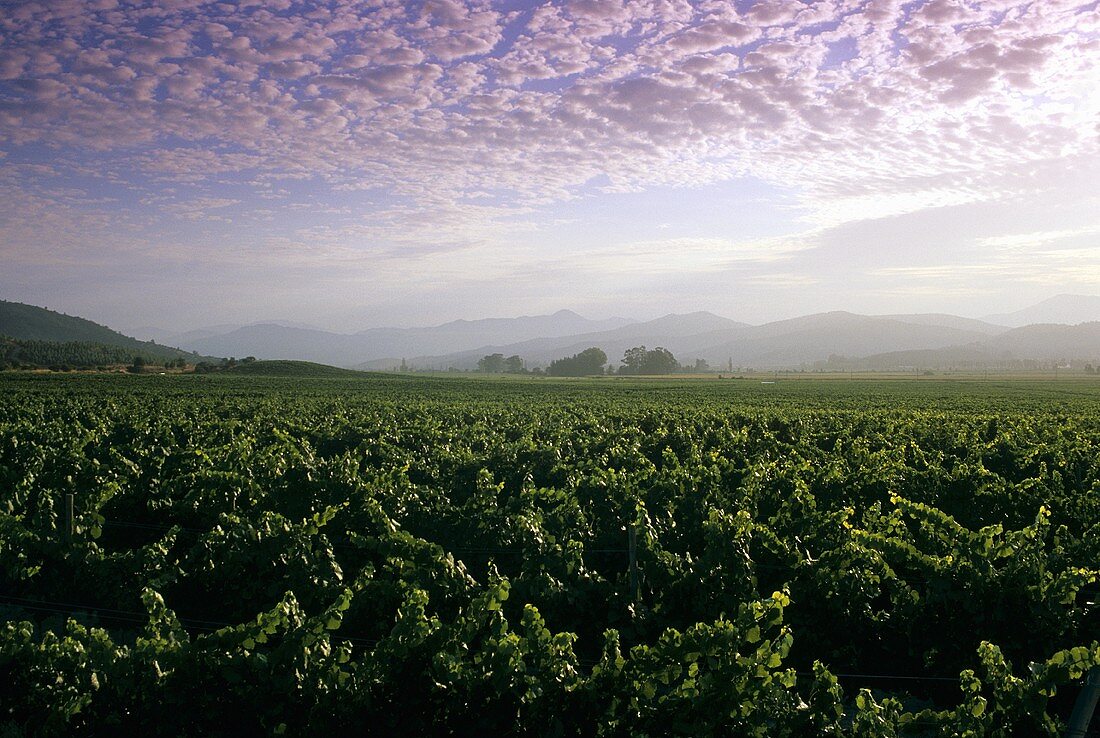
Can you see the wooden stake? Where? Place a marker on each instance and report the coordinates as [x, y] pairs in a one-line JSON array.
[[1078, 724], [70, 525], [632, 539]]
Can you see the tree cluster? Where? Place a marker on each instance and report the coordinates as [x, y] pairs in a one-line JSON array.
[[497, 364], [587, 362], [638, 360]]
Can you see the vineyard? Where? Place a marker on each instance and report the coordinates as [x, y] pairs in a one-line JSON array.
[[394, 556]]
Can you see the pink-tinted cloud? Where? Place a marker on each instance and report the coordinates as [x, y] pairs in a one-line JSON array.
[[440, 103]]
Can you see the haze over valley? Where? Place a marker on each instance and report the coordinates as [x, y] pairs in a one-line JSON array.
[[834, 341], [848, 339]]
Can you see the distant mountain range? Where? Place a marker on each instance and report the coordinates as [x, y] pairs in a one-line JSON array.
[[825, 340], [276, 341], [722, 342]]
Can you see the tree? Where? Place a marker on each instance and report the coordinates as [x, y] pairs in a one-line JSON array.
[[491, 363], [589, 361], [638, 360], [660, 361], [138, 366], [633, 361], [513, 365], [701, 366]]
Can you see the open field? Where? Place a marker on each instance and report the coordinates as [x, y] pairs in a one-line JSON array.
[[405, 554]]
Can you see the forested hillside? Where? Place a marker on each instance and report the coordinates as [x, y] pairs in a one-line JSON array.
[[34, 336], [80, 354]]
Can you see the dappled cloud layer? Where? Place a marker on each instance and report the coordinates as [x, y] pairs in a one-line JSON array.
[[456, 122]]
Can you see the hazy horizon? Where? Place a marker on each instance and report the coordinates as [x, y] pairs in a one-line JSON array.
[[348, 165], [143, 328], [654, 314]]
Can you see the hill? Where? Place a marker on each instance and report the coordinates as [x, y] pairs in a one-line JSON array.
[[15, 352], [42, 337], [948, 321], [680, 333], [1028, 347], [720, 341], [275, 341], [1064, 309], [38, 332], [280, 341], [800, 341], [1068, 342], [288, 368]]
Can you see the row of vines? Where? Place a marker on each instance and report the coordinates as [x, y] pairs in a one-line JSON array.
[[455, 558]]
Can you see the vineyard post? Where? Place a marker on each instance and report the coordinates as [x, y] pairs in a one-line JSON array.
[[1086, 702], [69, 524], [632, 540]]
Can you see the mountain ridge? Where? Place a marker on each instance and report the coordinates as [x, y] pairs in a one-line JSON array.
[[826, 338], [272, 341], [792, 342]]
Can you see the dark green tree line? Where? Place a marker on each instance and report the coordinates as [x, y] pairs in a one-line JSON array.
[[587, 362]]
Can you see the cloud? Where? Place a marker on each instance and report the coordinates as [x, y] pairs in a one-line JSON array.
[[400, 116], [1041, 239]]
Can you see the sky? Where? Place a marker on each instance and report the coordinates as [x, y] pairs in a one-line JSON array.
[[181, 163]]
